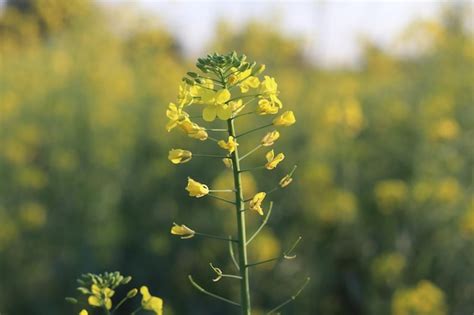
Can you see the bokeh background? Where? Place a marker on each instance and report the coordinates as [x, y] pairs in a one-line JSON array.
[[383, 193]]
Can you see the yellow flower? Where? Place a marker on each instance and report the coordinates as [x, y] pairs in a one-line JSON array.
[[227, 162], [151, 303], [245, 80], [286, 119], [193, 130], [177, 156], [269, 90], [272, 160], [182, 230], [236, 106], [176, 116], [101, 297], [270, 138], [256, 202], [230, 145], [216, 105], [83, 312], [184, 95], [196, 189], [265, 107]]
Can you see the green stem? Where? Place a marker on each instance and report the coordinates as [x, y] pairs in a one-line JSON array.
[[263, 223], [291, 299], [197, 286], [215, 237], [250, 152], [138, 309], [221, 199], [209, 155], [241, 230], [252, 130]]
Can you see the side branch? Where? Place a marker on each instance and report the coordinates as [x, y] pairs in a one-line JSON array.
[[265, 220], [231, 253], [201, 289], [215, 237], [291, 299], [253, 130]]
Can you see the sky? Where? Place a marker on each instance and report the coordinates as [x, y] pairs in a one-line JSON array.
[[331, 30]]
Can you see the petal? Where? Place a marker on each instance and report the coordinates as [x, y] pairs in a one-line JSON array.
[[222, 96], [209, 113], [224, 112], [94, 300], [269, 156]]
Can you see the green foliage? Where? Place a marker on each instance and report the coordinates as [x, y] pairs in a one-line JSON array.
[[384, 153]]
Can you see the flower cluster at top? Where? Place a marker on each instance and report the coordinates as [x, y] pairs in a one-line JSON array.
[[98, 291], [228, 85]]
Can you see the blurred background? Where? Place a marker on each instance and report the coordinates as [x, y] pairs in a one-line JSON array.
[[383, 193]]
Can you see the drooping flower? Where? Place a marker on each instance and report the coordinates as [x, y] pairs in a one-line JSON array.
[[256, 202], [184, 95], [216, 105], [236, 106], [193, 130], [151, 303], [285, 181], [230, 145], [286, 119], [101, 297], [265, 107], [176, 115], [182, 230], [270, 138], [196, 189], [272, 160], [269, 90], [177, 156], [227, 162]]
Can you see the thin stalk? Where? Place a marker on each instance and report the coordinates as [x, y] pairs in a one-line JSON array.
[[252, 169], [209, 155], [221, 190], [241, 229], [120, 304], [252, 130], [138, 309], [291, 299], [197, 286], [231, 253], [216, 129], [215, 237], [250, 152], [263, 223], [242, 96], [264, 261], [244, 114], [221, 199]]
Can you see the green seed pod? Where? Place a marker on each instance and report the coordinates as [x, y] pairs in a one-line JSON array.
[[132, 293], [71, 300]]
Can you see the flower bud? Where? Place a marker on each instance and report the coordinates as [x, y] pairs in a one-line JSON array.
[[286, 119], [285, 181], [259, 69], [132, 293], [178, 156], [196, 189], [182, 230]]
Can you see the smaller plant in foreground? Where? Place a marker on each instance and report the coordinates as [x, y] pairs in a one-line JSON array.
[[97, 292]]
